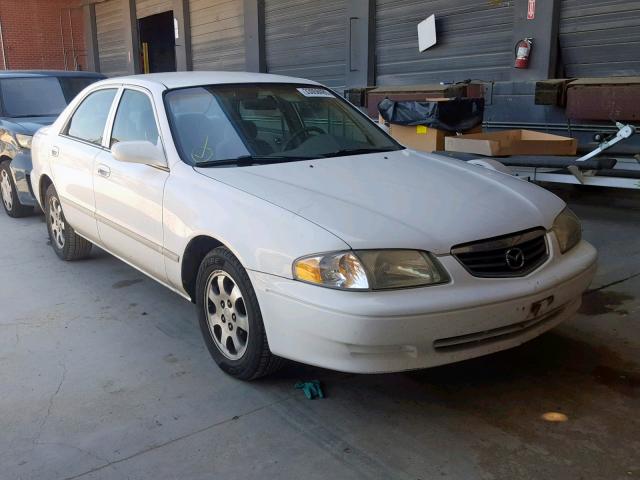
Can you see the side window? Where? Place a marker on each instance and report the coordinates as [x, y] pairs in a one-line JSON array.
[[89, 119], [134, 119]]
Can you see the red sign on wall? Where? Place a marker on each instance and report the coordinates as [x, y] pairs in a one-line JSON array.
[[531, 10]]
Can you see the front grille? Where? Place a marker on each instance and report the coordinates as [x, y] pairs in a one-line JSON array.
[[511, 255], [477, 339]]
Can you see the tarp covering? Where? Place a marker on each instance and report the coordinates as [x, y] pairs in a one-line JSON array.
[[455, 115]]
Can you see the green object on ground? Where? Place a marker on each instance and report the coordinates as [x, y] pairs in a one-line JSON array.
[[312, 389]]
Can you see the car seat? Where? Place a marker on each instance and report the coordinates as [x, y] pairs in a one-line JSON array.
[[250, 129]]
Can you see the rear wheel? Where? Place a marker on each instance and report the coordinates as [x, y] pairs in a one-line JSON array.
[[230, 318], [67, 244], [10, 201]]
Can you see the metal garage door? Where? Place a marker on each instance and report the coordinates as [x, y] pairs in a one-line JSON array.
[[111, 33], [217, 34], [307, 38], [475, 40], [145, 8], [600, 37]]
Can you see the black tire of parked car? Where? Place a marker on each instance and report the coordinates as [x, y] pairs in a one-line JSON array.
[[75, 247], [257, 360], [17, 210]]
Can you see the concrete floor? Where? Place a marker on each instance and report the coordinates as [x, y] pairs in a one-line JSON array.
[[104, 375]]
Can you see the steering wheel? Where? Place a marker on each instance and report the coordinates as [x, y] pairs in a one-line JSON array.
[[301, 131]]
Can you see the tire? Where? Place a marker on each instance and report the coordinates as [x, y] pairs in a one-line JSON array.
[[238, 344], [9, 194], [67, 244]]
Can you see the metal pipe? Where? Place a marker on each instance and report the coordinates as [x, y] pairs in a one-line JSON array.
[[4, 53], [73, 47], [64, 52]]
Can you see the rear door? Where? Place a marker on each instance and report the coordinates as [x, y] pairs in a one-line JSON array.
[[73, 155], [129, 195]]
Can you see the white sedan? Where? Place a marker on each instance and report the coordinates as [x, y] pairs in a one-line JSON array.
[[300, 229]]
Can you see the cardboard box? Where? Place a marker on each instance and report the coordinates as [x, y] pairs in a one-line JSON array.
[[419, 137], [512, 142]]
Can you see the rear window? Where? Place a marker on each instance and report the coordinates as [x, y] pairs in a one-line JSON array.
[[40, 96], [72, 86], [32, 97]]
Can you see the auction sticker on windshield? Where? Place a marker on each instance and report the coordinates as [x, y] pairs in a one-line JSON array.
[[315, 92]]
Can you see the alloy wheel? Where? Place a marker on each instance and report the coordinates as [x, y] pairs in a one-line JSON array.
[[7, 190], [226, 315], [56, 222]]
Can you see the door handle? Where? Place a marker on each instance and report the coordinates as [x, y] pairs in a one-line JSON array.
[[54, 151], [104, 171]]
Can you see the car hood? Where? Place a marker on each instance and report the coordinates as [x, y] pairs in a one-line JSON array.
[[30, 125], [402, 199]]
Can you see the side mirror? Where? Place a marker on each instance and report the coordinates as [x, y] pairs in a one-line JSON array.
[[143, 152]]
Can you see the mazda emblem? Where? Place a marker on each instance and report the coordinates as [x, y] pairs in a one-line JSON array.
[[514, 258]]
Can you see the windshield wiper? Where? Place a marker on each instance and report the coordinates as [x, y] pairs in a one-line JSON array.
[[358, 151], [248, 160]]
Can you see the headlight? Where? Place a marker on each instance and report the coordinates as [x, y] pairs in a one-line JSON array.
[[24, 140], [568, 229], [370, 269], [337, 270]]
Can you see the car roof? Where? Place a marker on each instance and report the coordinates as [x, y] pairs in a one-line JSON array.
[[190, 79], [49, 73]]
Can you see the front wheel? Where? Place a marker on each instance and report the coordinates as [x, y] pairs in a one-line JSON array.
[[67, 244], [230, 318], [10, 201]]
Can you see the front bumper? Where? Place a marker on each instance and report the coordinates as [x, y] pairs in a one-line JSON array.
[[21, 169], [371, 332]]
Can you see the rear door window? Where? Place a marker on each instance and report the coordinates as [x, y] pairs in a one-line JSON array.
[[90, 118]]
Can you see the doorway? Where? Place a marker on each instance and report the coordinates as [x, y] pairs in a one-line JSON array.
[[157, 43]]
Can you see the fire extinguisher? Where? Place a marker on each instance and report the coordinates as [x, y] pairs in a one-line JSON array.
[[523, 51]]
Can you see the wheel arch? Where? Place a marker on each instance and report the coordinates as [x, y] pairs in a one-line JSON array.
[[8, 159], [43, 184], [194, 253]]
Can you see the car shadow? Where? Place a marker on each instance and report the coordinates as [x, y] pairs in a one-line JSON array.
[[564, 365]]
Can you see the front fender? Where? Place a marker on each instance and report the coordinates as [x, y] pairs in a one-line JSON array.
[[264, 237], [21, 167]]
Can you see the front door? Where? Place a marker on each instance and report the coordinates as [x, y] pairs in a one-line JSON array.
[[73, 158], [129, 195]]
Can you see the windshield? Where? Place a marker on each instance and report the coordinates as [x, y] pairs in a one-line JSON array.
[[32, 97], [270, 122]]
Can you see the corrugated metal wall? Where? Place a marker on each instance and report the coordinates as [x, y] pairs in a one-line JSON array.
[[145, 8], [217, 34], [600, 37], [475, 40], [307, 38], [112, 45]]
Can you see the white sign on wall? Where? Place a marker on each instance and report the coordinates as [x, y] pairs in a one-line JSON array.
[[427, 33]]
